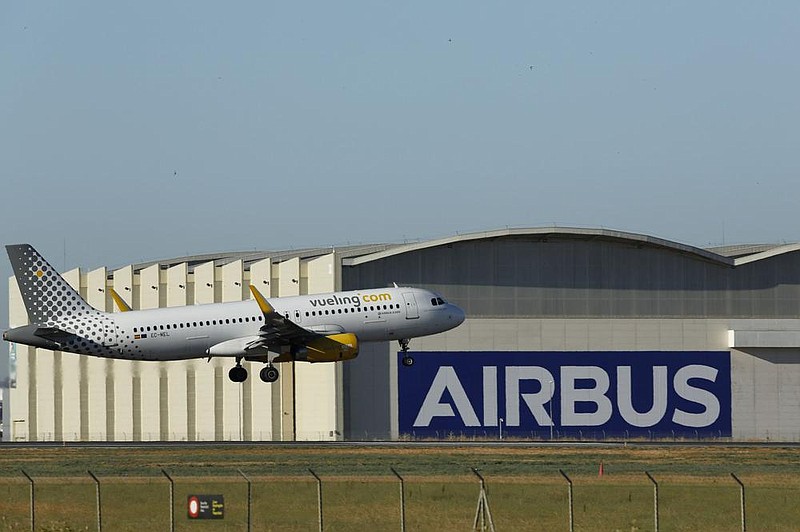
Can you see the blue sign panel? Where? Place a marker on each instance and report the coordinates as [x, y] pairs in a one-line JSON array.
[[566, 394]]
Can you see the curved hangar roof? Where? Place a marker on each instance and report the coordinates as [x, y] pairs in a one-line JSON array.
[[359, 254], [727, 256]]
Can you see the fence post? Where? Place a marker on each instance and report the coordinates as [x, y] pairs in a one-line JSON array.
[[249, 501], [655, 498], [569, 482], [741, 498], [33, 501], [319, 497], [97, 491], [483, 513], [171, 501], [402, 501]]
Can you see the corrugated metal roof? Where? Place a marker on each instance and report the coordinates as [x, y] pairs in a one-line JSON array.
[[353, 255], [543, 233]]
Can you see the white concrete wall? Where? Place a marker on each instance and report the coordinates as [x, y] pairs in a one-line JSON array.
[[204, 283], [579, 335], [766, 394], [262, 411], [319, 386], [75, 390], [288, 279], [122, 370], [230, 397], [96, 370], [203, 371], [147, 375]]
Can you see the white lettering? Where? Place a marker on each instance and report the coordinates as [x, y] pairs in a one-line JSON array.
[[570, 395], [625, 397], [489, 396], [584, 397], [446, 380], [535, 401], [696, 395]]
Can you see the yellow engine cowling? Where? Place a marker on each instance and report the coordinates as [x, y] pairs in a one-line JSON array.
[[332, 348]]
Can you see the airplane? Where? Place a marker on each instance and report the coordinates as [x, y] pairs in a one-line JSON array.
[[312, 328]]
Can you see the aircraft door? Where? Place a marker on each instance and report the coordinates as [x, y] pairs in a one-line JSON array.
[[412, 311], [297, 316], [109, 332]]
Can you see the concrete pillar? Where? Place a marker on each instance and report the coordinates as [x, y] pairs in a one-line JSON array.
[[288, 285], [147, 375], [261, 392], [319, 386], [121, 371]]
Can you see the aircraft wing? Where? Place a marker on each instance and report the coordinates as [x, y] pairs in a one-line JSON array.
[[279, 330]]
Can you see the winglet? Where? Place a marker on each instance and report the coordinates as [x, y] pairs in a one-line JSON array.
[[121, 304], [266, 308]]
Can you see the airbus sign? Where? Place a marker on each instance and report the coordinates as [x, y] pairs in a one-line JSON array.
[[569, 393]]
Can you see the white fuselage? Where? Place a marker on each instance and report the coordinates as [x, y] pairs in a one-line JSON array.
[[223, 329]]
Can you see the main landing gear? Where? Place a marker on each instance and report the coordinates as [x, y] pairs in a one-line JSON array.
[[269, 373], [408, 361], [239, 374]]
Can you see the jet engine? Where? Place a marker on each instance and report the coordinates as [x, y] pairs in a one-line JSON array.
[[331, 348]]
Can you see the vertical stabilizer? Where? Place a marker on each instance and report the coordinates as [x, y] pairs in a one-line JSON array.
[[48, 298]]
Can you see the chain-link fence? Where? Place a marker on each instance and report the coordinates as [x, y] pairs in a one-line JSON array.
[[248, 501]]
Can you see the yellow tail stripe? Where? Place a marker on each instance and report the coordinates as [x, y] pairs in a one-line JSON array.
[[265, 307]]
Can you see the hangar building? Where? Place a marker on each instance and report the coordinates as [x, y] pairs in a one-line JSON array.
[[586, 333]]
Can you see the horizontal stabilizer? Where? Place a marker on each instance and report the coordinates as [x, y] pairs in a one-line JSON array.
[[45, 337], [52, 333]]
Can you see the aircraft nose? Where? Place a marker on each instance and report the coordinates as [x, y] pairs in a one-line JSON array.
[[457, 314]]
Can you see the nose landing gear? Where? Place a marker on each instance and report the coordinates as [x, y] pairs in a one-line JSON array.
[[407, 360]]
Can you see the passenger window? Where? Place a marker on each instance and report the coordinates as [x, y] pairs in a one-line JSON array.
[[247, 319], [134, 329], [148, 328]]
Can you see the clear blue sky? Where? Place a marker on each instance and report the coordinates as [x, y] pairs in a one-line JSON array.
[[155, 129]]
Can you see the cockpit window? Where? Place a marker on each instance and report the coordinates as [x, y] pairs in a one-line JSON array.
[[434, 302], [440, 301]]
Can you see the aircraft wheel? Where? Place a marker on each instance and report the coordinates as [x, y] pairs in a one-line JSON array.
[[269, 374], [237, 374], [408, 361]]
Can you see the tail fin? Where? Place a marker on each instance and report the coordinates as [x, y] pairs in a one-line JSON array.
[[47, 296], [121, 304]]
